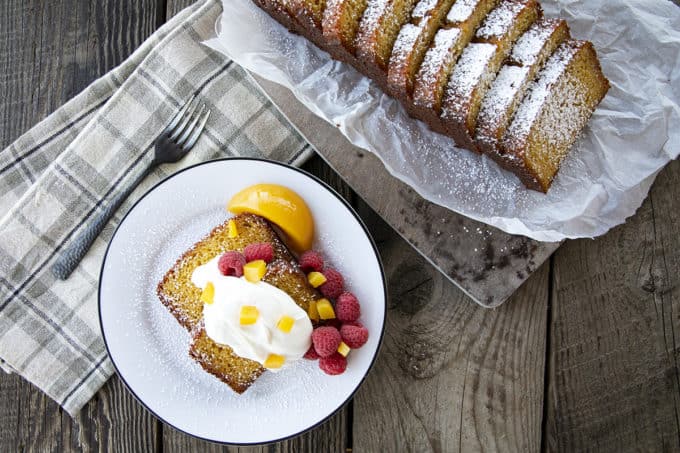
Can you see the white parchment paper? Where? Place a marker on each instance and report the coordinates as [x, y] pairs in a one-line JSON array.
[[632, 135]]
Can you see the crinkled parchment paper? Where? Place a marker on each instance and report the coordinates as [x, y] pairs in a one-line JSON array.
[[631, 136]]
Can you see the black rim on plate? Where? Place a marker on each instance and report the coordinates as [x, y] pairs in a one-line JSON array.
[[330, 190]]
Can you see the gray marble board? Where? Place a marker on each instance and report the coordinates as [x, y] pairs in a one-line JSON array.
[[485, 262]]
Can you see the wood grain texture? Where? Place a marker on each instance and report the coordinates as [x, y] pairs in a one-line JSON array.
[[614, 377], [50, 51], [452, 376]]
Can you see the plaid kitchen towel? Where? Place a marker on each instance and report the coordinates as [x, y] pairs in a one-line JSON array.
[[60, 174]]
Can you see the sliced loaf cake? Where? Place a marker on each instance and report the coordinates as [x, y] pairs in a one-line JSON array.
[[555, 110], [341, 22], [412, 43], [528, 56], [452, 64], [478, 65], [378, 29], [459, 27]]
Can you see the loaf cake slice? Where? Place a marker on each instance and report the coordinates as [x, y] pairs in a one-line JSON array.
[[478, 65], [308, 12], [341, 22], [220, 360], [176, 291], [378, 29], [550, 117], [412, 42], [528, 56], [459, 27]]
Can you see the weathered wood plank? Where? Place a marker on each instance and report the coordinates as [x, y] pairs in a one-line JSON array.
[[614, 378], [452, 376], [49, 51]]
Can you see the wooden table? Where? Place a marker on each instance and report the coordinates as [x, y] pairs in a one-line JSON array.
[[584, 356]]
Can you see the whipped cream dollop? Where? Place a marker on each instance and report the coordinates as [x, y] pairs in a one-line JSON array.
[[254, 341]]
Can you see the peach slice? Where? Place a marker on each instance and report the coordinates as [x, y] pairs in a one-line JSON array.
[[281, 206], [208, 293], [285, 324], [248, 315], [325, 309], [274, 361], [254, 270], [316, 279]]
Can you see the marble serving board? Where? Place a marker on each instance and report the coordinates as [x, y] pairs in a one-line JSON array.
[[485, 262]]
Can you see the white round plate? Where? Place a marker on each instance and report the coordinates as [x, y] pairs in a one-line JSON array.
[[150, 349]]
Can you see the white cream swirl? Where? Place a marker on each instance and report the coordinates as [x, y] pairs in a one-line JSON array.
[[255, 341]]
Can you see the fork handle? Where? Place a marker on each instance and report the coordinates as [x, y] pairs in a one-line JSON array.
[[74, 253]]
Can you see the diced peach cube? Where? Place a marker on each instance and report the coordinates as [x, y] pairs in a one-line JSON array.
[[312, 312], [254, 270], [274, 361], [285, 324], [316, 279], [325, 309], [249, 315], [208, 293], [343, 349], [233, 231]]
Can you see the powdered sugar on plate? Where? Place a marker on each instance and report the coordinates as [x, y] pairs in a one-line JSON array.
[[150, 348]]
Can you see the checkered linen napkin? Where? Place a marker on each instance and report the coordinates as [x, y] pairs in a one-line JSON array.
[[57, 177]]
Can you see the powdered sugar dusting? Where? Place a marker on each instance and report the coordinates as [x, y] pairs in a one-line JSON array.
[[528, 47], [500, 20], [405, 42], [369, 20], [510, 81], [461, 10], [513, 80], [467, 74], [438, 56], [531, 107], [422, 8]]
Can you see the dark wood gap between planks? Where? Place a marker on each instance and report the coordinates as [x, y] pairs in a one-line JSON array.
[[546, 367]]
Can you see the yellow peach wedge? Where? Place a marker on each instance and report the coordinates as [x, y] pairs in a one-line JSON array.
[[208, 293], [325, 309], [248, 315], [316, 279], [254, 270], [274, 361], [343, 349], [281, 206], [285, 324]]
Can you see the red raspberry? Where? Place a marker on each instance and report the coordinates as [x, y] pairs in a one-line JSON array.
[[311, 261], [311, 354], [326, 340], [347, 308], [259, 251], [354, 335], [335, 364], [334, 283], [231, 263]]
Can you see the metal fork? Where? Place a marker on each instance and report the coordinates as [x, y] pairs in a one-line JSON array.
[[171, 145]]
